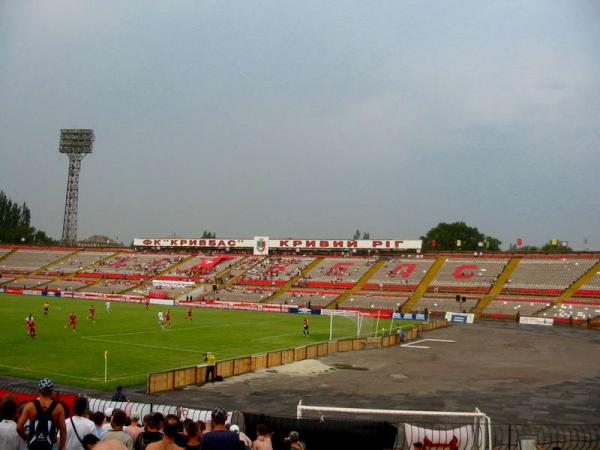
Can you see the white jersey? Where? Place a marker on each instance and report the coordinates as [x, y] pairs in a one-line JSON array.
[[9, 439], [107, 305], [161, 318]]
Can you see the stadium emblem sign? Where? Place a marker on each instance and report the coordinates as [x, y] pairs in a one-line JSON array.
[[262, 244]]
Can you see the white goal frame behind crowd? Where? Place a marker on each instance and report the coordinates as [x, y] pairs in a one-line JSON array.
[[479, 421]]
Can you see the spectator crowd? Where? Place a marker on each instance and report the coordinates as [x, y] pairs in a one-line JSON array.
[[45, 424]]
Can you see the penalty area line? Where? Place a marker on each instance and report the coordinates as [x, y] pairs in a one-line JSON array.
[[413, 344], [163, 347], [45, 372], [162, 330]]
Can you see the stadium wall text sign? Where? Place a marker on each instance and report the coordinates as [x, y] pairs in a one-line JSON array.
[[262, 245]]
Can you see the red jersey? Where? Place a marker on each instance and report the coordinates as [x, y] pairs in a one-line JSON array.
[[92, 310], [31, 325], [190, 312], [168, 316], [72, 318]]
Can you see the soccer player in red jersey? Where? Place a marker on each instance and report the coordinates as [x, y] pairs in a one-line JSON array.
[[31, 327], [72, 322], [168, 319], [147, 303], [92, 313], [189, 314]]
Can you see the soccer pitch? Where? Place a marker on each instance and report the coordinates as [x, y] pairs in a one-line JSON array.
[[136, 344]]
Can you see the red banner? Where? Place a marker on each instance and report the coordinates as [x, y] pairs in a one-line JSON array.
[[66, 399]]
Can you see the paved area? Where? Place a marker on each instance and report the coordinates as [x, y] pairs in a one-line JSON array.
[[525, 374]]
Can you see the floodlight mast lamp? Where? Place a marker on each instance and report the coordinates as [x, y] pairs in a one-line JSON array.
[[76, 143]]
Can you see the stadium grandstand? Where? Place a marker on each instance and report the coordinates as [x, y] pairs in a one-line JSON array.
[[495, 288], [565, 287]]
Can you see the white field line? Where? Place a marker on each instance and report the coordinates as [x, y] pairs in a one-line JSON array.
[[413, 344], [164, 347], [268, 338], [163, 330], [45, 372]]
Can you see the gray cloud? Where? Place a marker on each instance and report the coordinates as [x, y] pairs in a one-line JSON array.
[[308, 119]]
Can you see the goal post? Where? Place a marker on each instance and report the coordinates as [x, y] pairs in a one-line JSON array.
[[339, 323], [364, 324], [468, 430]]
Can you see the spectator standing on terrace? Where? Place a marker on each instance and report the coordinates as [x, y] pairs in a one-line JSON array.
[[194, 435], [134, 429], [295, 442], [108, 412], [220, 438], [9, 438], [118, 396], [263, 440], [518, 317], [78, 426], [150, 434], [168, 440], [243, 436], [98, 419], [119, 419], [46, 416]]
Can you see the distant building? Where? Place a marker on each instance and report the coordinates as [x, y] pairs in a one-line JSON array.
[[98, 240]]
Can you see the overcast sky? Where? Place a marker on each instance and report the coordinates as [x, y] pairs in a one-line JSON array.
[[306, 118]]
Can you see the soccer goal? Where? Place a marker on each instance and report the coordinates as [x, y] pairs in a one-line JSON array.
[[435, 429], [347, 324]]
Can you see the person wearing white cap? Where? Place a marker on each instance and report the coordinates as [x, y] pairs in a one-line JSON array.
[[243, 436], [108, 412]]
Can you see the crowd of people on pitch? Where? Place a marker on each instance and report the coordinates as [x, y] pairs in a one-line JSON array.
[[45, 424]]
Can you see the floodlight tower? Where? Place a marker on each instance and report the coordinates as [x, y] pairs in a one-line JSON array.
[[76, 143]]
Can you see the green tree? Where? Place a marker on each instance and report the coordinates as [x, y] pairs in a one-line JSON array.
[[524, 249], [444, 236], [15, 224]]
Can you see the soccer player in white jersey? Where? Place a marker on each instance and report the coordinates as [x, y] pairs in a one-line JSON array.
[[107, 306], [161, 319]]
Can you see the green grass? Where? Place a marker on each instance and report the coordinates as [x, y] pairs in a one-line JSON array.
[[135, 343]]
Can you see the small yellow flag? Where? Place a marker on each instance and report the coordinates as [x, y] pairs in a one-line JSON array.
[[105, 354], [458, 243], [554, 242]]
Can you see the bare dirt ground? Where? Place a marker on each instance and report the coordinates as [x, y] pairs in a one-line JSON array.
[[517, 374]]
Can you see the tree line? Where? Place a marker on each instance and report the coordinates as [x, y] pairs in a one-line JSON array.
[[458, 236], [15, 224]]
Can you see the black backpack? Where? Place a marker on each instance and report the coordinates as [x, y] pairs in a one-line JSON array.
[[42, 431]]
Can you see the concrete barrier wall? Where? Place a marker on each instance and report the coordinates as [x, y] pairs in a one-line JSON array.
[[194, 375]]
